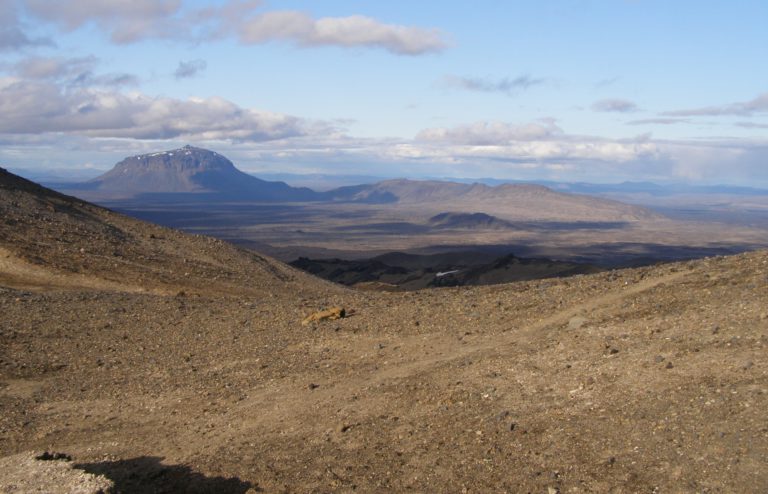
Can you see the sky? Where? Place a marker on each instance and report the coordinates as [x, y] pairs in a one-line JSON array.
[[574, 90]]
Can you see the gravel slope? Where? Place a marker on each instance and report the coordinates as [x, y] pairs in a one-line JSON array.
[[641, 380]]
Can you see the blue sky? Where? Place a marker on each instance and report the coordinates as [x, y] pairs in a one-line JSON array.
[[600, 91]]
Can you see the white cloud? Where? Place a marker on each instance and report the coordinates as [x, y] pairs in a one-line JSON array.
[[759, 104], [609, 81], [356, 30], [505, 85], [32, 107], [752, 125], [614, 105], [189, 69], [53, 67], [490, 133], [71, 72], [12, 33], [534, 146], [658, 121], [126, 21]]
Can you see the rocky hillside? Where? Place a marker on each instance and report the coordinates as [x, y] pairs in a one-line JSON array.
[[50, 239]]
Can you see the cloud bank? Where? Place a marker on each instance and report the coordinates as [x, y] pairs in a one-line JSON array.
[[109, 124], [39, 107], [537, 143]]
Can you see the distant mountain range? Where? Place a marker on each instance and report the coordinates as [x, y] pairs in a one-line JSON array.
[[342, 186], [328, 182], [196, 175], [653, 189]]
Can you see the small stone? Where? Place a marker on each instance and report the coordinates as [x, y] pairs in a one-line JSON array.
[[576, 322], [614, 351], [658, 359], [331, 314], [313, 386], [747, 365], [46, 456], [669, 365]]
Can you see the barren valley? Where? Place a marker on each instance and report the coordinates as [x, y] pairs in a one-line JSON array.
[[355, 231]]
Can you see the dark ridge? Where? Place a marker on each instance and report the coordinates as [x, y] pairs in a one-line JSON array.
[[413, 272], [451, 220]]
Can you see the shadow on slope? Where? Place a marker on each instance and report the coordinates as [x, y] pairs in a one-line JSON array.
[[401, 271], [615, 255], [147, 475]]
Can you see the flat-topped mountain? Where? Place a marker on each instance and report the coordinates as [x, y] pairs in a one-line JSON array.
[[189, 170]]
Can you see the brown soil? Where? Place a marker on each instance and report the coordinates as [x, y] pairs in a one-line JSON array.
[[643, 380]]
